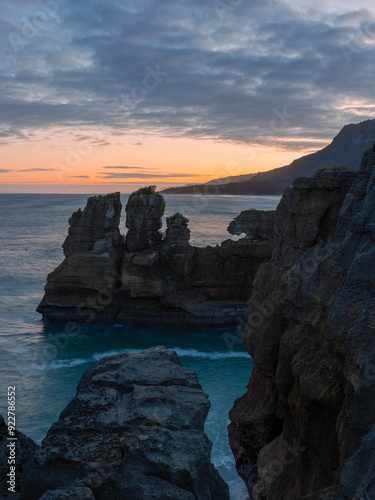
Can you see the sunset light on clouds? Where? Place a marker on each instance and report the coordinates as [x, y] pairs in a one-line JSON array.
[[116, 95]]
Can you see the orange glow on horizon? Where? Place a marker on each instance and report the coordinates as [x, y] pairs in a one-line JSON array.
[[62, 161]]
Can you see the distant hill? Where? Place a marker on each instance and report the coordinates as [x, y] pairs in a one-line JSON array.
[[346, 148], [229, 179]]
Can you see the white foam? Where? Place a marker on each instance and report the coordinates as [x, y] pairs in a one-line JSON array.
[[192, 353], [61, 363]]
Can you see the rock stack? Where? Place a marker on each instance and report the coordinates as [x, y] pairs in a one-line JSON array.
[[143, 220], [84, 287], [146, 278]]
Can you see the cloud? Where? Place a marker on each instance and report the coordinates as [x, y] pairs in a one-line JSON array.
[[258, 72], [104, 175], [5, 171], [80, 176], [126, 168], [37, 170], [13, 133]]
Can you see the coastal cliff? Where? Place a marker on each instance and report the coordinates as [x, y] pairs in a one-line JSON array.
[[148, 277], [305, 427], [82, 286], [134, 430]]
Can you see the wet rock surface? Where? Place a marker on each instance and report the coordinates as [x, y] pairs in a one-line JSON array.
[[299, 431]]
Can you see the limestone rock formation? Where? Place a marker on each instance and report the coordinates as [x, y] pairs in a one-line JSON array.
[[310, 332], [256, 224], [143, 220], [134, 430], [25, 449], [178, 234], [68, 494], [149, 278], [84, 286]]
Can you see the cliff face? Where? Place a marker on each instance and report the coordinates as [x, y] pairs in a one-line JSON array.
[[310, 331], [82, 286], [150, 278], [134, 430]]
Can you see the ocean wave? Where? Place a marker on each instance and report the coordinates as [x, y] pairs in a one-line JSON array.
[[192, 353], [61, 363]]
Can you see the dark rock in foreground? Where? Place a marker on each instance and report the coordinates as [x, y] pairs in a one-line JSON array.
[[134, 430], [25, 449], [68, 494], [148, 279], [300, 430]]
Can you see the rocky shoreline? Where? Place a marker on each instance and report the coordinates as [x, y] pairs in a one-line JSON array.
[[305, 427], [147, 278], [134, 430]]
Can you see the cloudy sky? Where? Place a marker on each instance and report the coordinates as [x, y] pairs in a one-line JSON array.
[[102, 94]]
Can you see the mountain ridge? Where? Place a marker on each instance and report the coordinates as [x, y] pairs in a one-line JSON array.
[[347, 147]]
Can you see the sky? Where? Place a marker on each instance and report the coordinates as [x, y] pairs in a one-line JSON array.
[[110, 95]]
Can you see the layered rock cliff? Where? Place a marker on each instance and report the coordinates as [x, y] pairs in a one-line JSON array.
[[134, 430], [300, 430], [83, 286], [148, 278]]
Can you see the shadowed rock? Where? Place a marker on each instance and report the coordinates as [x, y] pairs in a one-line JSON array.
[[134, 430], [256, 224], [84, 288], [68, 494], [25, 449], [149, 278], [143, 220], [310, 332]]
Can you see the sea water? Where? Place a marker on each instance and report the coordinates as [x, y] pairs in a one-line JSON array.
[[45, 363]]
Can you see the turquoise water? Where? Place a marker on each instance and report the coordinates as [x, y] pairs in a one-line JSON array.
[[45, 363]]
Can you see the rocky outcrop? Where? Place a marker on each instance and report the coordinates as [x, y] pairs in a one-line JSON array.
[[256, 224], [299, 431], [68, 494], [149, 278], [84, 286], [21, 450], [134, 430]]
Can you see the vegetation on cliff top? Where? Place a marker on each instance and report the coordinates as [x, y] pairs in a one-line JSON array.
[[148, 191]]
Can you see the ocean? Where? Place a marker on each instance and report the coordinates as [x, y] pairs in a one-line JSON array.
[[45, 363]]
